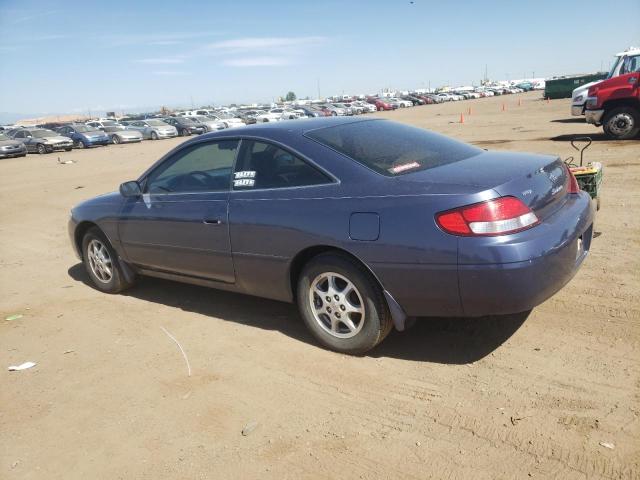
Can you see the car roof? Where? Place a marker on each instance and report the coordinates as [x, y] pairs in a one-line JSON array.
[[299, 127]]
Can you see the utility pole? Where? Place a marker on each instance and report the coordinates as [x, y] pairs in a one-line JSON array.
[[318, 82]]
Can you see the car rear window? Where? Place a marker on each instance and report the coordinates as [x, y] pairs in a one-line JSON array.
[[391, 148]]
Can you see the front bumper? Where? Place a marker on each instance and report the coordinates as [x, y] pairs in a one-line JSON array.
[[58, 146], [91, 142], [129, 139], [164, 134], [594, 116], [577, 110], [13, 153]]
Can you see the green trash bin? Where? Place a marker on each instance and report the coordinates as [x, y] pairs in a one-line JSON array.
[[562, 87]]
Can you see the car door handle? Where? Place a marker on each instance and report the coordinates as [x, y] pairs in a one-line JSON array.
[[212, 221]]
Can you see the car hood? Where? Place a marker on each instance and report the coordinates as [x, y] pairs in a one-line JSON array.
[[584, 88], [111, 198]]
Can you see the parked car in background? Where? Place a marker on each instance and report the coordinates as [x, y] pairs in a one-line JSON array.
[[265, 117], [117, 132], [333, 110], [310, 111], [41, 140], [10, 148], [84, 136], [153, 129], [366, 107], [186, 125], [248, 117], [209, 122], [229, 121], [382, 103], [395, 222]]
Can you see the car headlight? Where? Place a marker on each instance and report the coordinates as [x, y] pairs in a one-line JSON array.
[[579, 98]]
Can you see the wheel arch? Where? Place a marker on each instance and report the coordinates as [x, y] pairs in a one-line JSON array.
[[79, 232], [303, 257], [622, 102]]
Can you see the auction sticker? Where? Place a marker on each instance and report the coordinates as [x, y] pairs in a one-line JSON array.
[[245, 174], [403, 167], [244, 182]]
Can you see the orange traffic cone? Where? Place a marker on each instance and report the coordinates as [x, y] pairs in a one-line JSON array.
[[504, 107], [461, 118], [519, 102]]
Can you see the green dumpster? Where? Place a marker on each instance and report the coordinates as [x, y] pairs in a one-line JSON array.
[[561, 87]]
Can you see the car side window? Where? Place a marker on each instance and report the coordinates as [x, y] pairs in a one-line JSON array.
[[204, 167], [19, 135], [263, 165]]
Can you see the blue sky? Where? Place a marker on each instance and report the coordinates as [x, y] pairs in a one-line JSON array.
[[72, 56]]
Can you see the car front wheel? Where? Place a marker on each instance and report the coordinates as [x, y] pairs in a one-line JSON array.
[[115, 139], [342, 304], [154, 136], [102, 263], [42, 149]]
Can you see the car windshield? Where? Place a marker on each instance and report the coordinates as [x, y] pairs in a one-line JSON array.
[[156, 123], [43, 133], [109, 123], [391, 148], [83, 128]]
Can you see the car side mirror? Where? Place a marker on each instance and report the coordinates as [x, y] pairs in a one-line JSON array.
[[130, 189]]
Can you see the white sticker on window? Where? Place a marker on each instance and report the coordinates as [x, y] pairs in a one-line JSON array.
[[245, 174], [244, 182]]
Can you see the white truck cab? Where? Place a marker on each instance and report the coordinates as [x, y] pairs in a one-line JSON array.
[[579, 95]]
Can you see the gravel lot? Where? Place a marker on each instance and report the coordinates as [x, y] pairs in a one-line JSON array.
[[531, 396]]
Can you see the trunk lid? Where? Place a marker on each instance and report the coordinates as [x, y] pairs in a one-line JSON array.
[[540, 181]]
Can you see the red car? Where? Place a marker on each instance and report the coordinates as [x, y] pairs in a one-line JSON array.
[[381, 104]]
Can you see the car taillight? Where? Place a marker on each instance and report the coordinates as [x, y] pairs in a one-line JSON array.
[[494, 217], [573, 186]]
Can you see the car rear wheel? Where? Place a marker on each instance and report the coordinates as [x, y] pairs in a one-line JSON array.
[[81, 144], [154, 136], [622, 123], [102, 263], [342, 304], [42, 149], [68, 149]]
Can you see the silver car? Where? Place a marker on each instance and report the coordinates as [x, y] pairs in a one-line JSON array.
[[153, 129], [41, 140], [117, 132], [11, 148], [211, 123]]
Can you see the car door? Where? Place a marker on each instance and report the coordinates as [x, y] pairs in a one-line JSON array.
[[273, 194], [180, 224], [20, 137]]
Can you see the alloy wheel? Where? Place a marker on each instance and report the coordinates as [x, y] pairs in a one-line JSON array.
[[100, 261], [337, 305]]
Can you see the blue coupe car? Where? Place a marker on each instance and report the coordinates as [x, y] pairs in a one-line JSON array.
[[84, 136], [363, 223]]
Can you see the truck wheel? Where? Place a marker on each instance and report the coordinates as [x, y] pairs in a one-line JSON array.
[[622, 123], [342, 304]]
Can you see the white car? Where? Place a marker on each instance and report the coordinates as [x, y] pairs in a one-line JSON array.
[[211, 123], [227, 120], [401, 103], [269, 116]]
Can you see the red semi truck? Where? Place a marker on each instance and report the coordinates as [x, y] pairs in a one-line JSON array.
[[615, 104]]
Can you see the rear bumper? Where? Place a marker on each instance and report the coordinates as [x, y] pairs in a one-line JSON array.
[[593, 116], [549, 256], [497, 275]]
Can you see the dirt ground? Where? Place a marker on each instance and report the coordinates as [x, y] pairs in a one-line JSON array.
[[542, 396]]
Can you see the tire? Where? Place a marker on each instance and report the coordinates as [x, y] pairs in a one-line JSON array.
[[154, 136], [622, 123], [184, 132], [105, 271], [334, 114], [115, 139], [42, 149], [81, 144], [68, 149], [325, 319]]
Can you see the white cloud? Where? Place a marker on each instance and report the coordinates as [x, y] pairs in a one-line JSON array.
[[257, 62], [160, 61], [263, 43], [169, 73]]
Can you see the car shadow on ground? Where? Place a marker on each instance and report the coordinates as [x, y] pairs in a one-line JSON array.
[[438, 340], [569, 120], [596, 137]]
